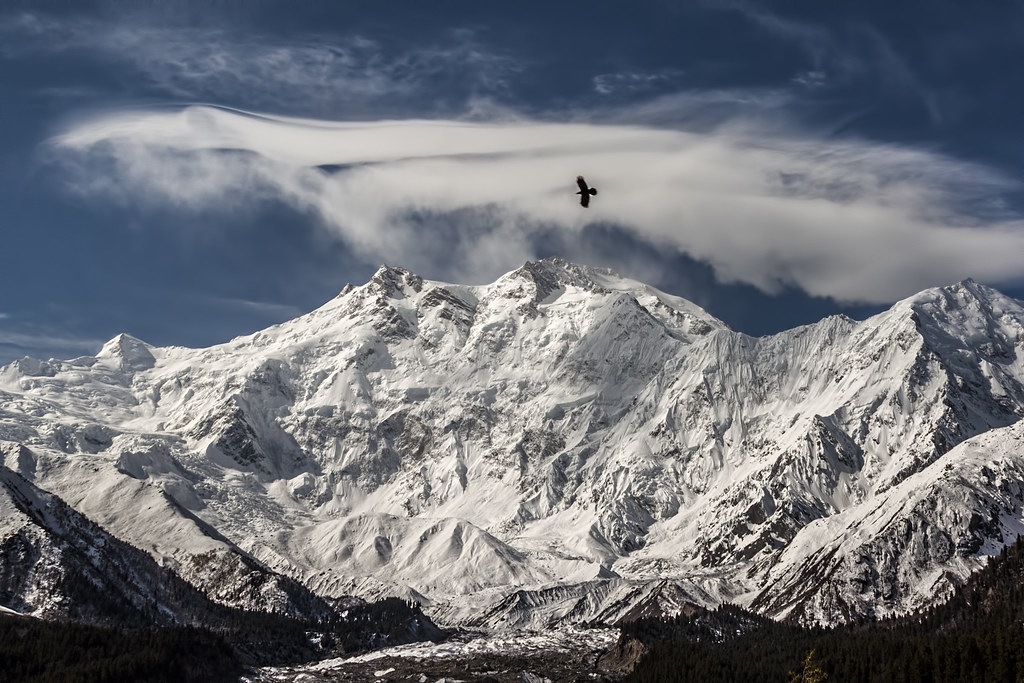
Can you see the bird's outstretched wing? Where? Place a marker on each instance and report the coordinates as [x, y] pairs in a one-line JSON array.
[[584, 199], [583, 186]]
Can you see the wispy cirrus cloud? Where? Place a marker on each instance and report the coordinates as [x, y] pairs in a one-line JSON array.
[[17, 343], [842, 53], [848, 219], [267, 308], [317, 73], [634, 82], [812, 78]]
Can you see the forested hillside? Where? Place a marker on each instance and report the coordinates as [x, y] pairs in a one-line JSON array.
[[37, 650], [977, 636]]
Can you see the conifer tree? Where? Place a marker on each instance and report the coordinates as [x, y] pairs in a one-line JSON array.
[[812, 671]]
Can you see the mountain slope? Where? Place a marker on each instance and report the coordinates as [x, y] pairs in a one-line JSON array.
[[58, 564]]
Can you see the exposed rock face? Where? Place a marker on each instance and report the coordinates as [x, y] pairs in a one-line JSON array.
[[553, 447], [621, 659]]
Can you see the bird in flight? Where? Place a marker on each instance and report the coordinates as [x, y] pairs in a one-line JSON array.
[[585, 192]]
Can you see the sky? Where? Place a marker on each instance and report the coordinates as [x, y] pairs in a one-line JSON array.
[[187, 172]]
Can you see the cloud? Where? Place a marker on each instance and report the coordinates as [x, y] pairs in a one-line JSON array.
[[841, 54], [706, 111], [314, 74], [632, 82], [847, 219], [282, 311], [16, 344], [811, 79]]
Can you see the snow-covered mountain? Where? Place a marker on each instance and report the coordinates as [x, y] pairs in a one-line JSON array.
[[564, 444]]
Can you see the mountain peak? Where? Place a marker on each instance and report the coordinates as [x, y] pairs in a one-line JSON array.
[[132, 353], [392, 281], [957, 299], [558, 271], [973, 287]]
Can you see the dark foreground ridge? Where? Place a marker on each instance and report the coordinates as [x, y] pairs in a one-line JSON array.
[[977, 636], [37, 650]]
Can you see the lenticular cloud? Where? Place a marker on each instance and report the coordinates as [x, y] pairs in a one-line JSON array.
[[847, 219]]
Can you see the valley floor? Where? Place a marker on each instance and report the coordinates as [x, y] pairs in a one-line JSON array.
[[566, 654]]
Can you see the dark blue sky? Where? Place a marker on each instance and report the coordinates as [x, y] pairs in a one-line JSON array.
[[773, 162]]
